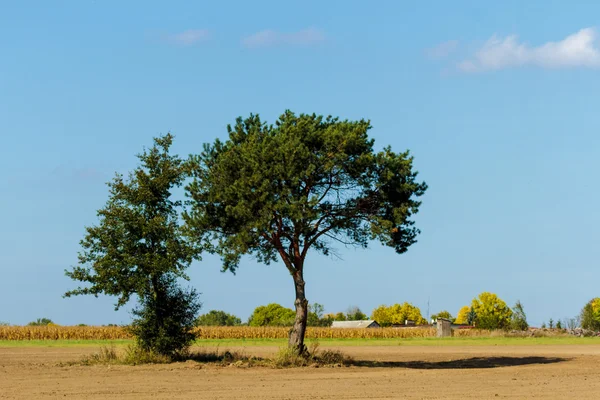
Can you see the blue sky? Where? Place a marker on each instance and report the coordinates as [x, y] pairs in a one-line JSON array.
[[497, 102]]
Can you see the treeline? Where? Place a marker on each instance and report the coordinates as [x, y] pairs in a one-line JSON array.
[[486, 311]]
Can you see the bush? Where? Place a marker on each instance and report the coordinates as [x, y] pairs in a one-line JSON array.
[[272, 315], [518, 320], [491, 312], [397, 314], [590, 315], [288, 357], [164, 325], [463, 315], [41, 322], [218, 318]]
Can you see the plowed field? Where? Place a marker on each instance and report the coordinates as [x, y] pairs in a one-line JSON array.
[[416, 372]]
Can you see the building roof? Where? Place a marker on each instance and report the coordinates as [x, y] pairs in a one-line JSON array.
[[354, 324]]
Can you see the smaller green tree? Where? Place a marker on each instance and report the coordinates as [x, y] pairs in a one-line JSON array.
[[218, 318], [443, 314], [272, 315], [519, 319], [551, 323], [41, 322], [138, 249], [491, 312], [559, 325]]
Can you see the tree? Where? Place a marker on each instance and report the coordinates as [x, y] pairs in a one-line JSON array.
[[491, 312], [316, 316], [278, 191], [397, 314], [41, 322], [519, 318], [463, 315], [355, 314], [271, 315], [137, 249], [590, 315], [218, 318], [559, 325], [443, 314], [551, 323], [471, 316], [340, 317]]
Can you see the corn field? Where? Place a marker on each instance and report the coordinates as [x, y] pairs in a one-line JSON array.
[[234, 332]]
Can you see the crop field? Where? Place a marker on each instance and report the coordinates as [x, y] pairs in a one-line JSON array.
[[236, 332], [494, 368]]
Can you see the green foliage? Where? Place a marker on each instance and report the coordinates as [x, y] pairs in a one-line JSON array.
[[355, 314], [316, 316], [397, 314], [41, 322], [559, 325], [519, 318], [463, 315], [272, 315], [471, 316], [277, 191], [590, 315], [551, 323], [138, 249], [218, 318], [340, 316], [164, 323], [3, 323], [138, 238], [443, 314], [491, 312]]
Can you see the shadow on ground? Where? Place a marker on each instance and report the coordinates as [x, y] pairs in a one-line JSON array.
[[466, 363]]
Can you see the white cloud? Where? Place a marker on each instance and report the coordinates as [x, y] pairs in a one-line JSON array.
[[269, 38], [442, 50], [577, 50], [189, 37]]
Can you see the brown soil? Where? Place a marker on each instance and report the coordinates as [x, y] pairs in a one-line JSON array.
[[476, 372]]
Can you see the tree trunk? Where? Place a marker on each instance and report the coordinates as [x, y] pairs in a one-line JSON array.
[[296, 339]]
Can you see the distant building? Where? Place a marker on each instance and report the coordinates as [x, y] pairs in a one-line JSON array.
[[355, 324]]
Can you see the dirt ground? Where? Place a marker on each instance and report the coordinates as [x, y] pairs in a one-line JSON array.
[[449, 372]]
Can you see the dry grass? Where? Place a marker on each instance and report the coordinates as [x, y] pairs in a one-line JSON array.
[[285, 358]]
